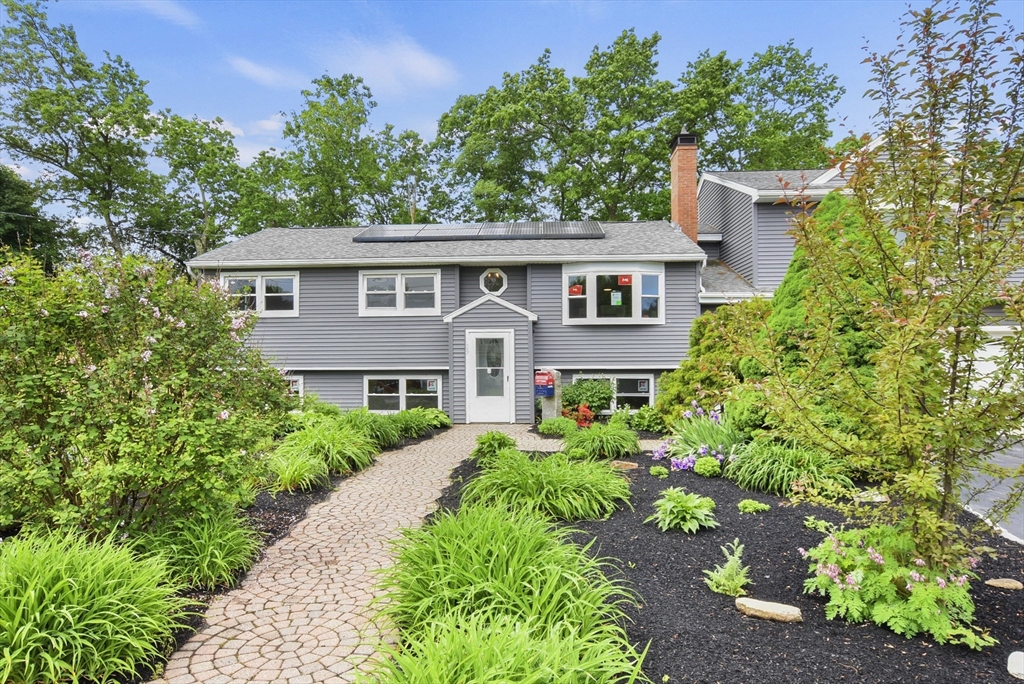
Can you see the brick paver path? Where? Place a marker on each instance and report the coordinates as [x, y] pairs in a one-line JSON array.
[[302, 613]]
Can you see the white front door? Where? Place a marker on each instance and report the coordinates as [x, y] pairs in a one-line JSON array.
[[490, 369]]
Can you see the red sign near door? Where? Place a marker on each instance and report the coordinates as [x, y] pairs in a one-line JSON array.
[[626, 280], [575, 290]]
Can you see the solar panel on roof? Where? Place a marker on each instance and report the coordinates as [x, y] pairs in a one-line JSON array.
[[524, 230]]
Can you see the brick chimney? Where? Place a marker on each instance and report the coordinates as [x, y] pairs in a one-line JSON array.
[[684, 183]]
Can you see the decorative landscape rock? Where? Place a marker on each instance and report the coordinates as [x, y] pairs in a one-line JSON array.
[[870, 496], [623, 465], [1015, 664], [766, 610], [1005, 583]]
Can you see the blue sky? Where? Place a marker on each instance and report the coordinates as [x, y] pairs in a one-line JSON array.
[[247, 60]]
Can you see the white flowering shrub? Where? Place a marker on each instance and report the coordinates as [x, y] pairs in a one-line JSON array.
[[127, 395]]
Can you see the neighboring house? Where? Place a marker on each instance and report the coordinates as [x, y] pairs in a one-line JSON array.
[[460, 316]]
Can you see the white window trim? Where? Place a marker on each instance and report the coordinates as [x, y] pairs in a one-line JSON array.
[[402, 378], [614, 378], [504, 282], [637, 270], [300, 384], [400, 310], [260, 294]]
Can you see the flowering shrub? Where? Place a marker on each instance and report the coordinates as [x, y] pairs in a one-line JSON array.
[[597, 393], [128, 398], [582, 414], [876, 573]]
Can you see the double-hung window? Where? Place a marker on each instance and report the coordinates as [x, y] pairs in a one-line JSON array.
[[401, 392], [272, 295], [631, 390], [609, 294], [400, 293]]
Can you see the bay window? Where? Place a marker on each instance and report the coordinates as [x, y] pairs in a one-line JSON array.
[[607, 294]]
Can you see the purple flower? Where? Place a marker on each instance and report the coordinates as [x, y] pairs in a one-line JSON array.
[[916, 576], [715, 417], [179, 324], [700, 411], [223, 415], [111, 291], [803, 552], [941, 582], [702, 450], [972, 561], [875, 556], [687, 414], [104, 309], [919, 562], [145, 356], [694, 403]]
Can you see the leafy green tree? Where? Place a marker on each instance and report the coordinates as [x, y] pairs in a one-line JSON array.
[[203, 177], [770, 114], [22, 227], [128, 396], [267, 193], [85, 125], [942, 233]]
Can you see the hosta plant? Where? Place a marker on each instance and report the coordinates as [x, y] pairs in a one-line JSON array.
[[489, 445], [731, 578], [678, 509], [877, 574], [555, 486], [604, 441], [73, 610]]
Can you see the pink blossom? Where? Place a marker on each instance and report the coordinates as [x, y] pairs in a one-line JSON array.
[[237, 323], [919, 562], [104, 309], [941, 582], [803, 553], [916, 576], [156, 312], [179, 324], [223, 415], [82, 314], [145, 356], [90, 369], [972, 561]]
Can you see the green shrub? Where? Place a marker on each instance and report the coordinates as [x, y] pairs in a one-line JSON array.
[[660, 472], [342, 448], [416, 422], [311, 403], [489, 445], [437, 418], [492, 562], [648, 419], [477, 649], [555, 486], [382, 429], [876, 574], [603, 441], [620, 417], [707, 466], [748, 412], [297, 469], [71, 610], [699, 431], [681, 510], [731, 578], [596, 393], [557, 426], [772, 468], [129, 396], [752, 506], [206, 552]]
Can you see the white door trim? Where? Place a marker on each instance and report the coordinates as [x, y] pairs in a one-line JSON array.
[[510, 367]]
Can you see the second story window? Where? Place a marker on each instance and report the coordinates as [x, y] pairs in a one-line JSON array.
[[272, 295], [401, 293], [602, 294]]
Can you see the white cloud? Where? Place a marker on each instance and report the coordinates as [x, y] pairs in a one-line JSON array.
[[169, 10], [231, 128], [249, 149], [272, 124], [264, 75], [390, 67], [23, 172]]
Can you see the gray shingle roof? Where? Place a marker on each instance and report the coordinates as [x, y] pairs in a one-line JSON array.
[[769, 180], [717, 277], [639, 240]]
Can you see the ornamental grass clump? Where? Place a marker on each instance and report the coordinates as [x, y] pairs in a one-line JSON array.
[[731, 578], [206, 552], [382, 429], [703, 433], [554, 486], [776, 468], [477, 649], [678, 509], [343, 448], [489, 445], [494, 563], [297, 469], [877, 573], [73, 610], [603, 441], [416, 422], [557, 426]]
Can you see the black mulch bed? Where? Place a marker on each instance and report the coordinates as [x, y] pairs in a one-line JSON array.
[[273, 515], [696, 635]]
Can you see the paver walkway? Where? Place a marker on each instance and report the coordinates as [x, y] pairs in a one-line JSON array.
[[302, 613]]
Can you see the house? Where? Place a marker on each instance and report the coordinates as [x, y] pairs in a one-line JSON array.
[[461, 316]]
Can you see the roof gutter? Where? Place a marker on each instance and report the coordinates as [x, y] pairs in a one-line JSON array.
[[412, 261], [730, 297]]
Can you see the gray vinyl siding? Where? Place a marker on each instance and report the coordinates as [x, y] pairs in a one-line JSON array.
[[712, 249], [611, 346], [329, 334], [1017, 278], [493, 316], [469, 284], [731, 213], [345, 389], [774, 244]]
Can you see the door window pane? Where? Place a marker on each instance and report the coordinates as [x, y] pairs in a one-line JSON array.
[[614, 296], [490, 366], [490, 382], [419, 292]]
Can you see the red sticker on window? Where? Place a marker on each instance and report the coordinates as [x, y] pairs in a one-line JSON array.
[[575, 290], [626, 280]]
